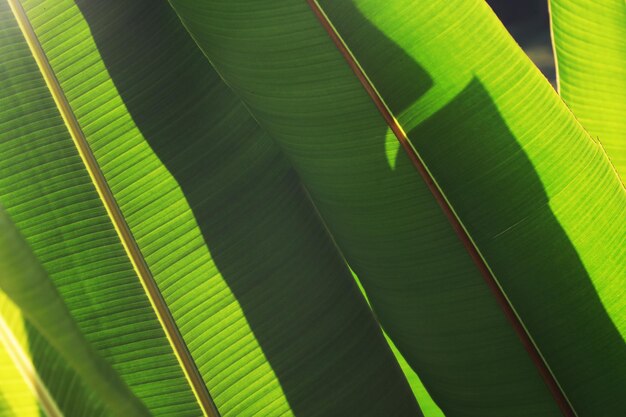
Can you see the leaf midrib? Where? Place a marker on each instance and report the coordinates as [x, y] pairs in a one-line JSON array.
[[124, 233], [468, 243]]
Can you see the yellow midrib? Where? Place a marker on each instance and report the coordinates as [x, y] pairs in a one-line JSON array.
[[130, 245]]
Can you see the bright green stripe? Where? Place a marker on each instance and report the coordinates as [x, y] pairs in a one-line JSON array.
[[590, 45]]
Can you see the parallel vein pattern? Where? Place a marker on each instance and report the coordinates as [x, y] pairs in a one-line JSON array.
[[521, 174], [52, 371], [459, 229], [48, 193], [502, 205], [126, 237], [590, 45], [253, 281]]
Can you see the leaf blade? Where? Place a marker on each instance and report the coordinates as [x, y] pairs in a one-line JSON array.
[[56, 208], [159, 199], [27, 284], [590, 52], [302, 95]]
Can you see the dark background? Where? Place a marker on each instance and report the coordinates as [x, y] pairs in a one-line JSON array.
[[529, 23]]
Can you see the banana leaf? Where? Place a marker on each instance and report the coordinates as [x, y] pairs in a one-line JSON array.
[[533, 215], [590, 51], [198, 183], [261, 298]]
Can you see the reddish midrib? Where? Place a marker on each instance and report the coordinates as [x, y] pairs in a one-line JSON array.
[[490, 280]]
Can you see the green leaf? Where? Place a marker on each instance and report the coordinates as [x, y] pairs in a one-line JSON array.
[[47, 191], [428, 406], [213, 196], [590, 47], [534, 193], [34, 376], [262, 298], [24, 280], [18, 394]]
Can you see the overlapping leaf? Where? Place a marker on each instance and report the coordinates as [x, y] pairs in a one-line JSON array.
[[590, 47], [264, 302], [49, 195], [261, 295], [535, 193], [24, 280]]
